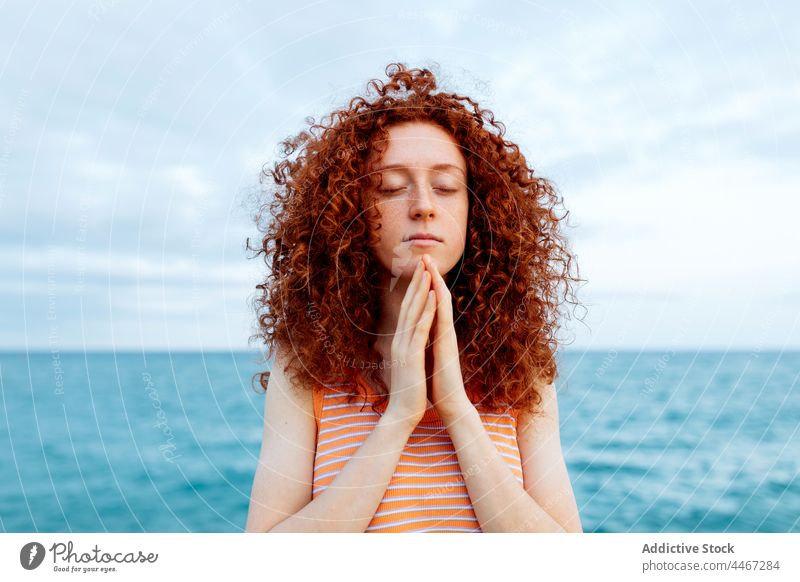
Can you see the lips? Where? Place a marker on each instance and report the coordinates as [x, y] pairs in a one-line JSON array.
[[424, 236]]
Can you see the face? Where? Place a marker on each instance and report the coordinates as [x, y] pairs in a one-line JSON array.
[[420, 188]]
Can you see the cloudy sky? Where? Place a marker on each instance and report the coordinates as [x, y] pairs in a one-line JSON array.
[[132, 135]]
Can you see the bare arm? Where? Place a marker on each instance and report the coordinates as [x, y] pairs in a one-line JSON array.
[[543, 466], [281, 495], [545, 503], [349, 503]]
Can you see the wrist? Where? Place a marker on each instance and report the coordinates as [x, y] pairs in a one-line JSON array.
[[400, 420], [452, 412]]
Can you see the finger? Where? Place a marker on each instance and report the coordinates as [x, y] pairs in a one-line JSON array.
[[409, 296], [423, 327], [417, 306], [439, 283], [443, 299]]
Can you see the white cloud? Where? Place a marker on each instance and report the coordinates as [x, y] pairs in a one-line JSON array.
[[712, 226], [120, 266], [101, 169], [187, 179]]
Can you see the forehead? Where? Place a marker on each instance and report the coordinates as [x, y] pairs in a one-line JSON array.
[[421, 145]]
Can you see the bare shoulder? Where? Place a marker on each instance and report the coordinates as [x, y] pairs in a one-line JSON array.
[[283, 478], [545, 416], [285, 395]]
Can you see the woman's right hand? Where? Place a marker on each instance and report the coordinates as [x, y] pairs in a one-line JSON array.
[[408, 388]]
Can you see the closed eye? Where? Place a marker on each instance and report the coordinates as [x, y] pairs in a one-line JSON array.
[[393, 190]]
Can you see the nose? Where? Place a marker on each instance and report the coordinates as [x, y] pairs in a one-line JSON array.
[[421, 205]]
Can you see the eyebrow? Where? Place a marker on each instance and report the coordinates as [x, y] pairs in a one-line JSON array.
[[406, 166]]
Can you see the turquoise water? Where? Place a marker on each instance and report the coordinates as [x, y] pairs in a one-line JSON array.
[[163, 442]]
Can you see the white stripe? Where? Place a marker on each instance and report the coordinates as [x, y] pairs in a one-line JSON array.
[[418, 519], [418, 509], [507, 446], [424, 497], [429, 485], [346, 405], [417, 475], [507, 456], [347, 426], [396, 475], [446, 529], [429, 437], [337, 449], [438, 465], [438, 429], [326, 475], [393, 498], [505, 436], [427, 454], [324, 442], [351, 415], [332, 462], [447, 443], [500, 424], [496, 415], [515, 465]]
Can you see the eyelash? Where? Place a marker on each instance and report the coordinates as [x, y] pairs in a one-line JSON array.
[[385, 191]]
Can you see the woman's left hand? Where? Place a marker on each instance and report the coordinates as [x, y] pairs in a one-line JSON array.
[[447, 385]]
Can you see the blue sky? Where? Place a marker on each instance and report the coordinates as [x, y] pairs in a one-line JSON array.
[[132, 136]]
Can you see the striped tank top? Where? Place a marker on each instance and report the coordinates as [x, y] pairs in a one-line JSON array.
[[427, 492]]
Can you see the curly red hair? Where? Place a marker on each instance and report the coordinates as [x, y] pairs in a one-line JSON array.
[[320, 304]]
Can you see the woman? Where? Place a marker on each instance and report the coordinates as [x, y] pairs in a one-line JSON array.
[[417, 267]]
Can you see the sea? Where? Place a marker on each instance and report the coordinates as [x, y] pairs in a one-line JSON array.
[[654, 441]]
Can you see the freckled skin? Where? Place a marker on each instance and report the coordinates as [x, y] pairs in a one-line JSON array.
[[425, 200]]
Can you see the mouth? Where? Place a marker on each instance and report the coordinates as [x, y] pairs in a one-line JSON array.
[[423, 242], [424, 237]]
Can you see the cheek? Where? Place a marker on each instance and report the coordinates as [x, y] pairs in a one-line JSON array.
[[385, 215], [459, 214]]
